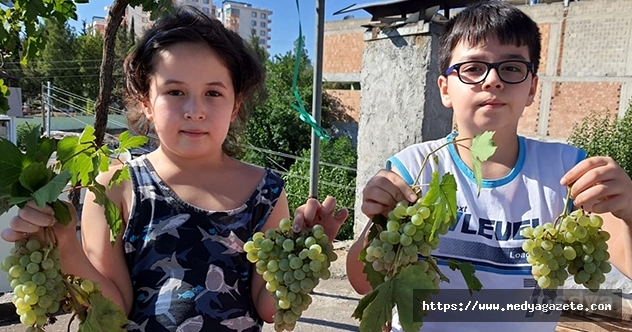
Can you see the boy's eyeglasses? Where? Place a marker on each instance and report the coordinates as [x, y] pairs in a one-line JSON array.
[[474, 72]]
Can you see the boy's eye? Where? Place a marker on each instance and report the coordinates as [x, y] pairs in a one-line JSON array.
[[473, 68]]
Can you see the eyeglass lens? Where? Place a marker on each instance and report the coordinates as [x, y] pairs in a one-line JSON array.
[[511, 71]]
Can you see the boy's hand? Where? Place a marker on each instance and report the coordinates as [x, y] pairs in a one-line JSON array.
[[600, 185], [383, 192], [312, 213]]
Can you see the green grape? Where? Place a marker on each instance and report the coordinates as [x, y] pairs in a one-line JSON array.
[[575, 246], [292, 265]]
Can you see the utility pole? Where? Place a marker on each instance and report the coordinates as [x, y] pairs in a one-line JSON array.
[[317, 98]]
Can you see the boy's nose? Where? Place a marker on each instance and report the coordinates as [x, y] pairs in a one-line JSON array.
[[492, 80]]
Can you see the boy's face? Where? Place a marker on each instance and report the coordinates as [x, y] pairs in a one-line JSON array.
[[491, 104]]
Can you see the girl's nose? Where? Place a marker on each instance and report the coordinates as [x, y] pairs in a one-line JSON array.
[[194, 111]]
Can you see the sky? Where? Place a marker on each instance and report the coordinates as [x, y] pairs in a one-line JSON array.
[[285, 19]]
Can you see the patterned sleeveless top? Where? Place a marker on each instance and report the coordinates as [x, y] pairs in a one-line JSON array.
[[188, 267]]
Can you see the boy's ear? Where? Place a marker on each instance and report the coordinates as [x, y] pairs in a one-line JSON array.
[[532, 90], [442, 81], [147, 110]]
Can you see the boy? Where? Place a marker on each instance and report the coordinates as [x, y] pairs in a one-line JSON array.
[[489, 57]]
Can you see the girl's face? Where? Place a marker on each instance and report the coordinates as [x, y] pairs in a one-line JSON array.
[[191, 101]]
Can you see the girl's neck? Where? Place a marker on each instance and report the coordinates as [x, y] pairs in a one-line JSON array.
[[501, 162], [168, 160]]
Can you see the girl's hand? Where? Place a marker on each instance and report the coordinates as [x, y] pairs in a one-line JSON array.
[[312, 213], [32, 218]]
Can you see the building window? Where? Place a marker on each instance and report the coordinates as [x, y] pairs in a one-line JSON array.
[[205, 2], [263, 24], [253, 23], [262, 33], [262, 41], [205, 10], [263, 15], [194, 0], [213, 11], [232, 11], [253, 14]]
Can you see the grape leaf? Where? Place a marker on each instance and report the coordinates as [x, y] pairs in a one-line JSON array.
[[35, 176], [127, 142], [5, 206], [362, 304], [482, 148], [380, 310], [103, 315], [62, 212], [442, 194], [119, 176], [66, 148], [410, 287], [87, 136], [51, 191], [10, 163], [469, 274], [112, 213], [19, 194]]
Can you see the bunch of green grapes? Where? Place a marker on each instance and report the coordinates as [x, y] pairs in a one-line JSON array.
[[576, 246], [34, 273], [406, 236], [292, 264]]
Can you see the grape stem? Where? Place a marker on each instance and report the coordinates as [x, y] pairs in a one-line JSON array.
[[423, 165], [433, 263], [557, 223]]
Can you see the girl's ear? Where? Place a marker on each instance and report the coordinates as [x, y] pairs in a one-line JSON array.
[[147, 110], [442, 81], [236, 108]]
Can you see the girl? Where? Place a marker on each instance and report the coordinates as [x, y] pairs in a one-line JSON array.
[[190, 205]]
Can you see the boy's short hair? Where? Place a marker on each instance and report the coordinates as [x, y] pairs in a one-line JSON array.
[[490, 18]]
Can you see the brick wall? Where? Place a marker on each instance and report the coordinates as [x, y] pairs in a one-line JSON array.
[[343, 46], [572, 101], [346, 104], [528, 124]]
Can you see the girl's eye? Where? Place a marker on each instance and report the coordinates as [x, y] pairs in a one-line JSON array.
[[214, 94], [175, 93]]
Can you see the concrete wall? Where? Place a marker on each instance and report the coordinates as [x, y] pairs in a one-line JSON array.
[[399, 103]]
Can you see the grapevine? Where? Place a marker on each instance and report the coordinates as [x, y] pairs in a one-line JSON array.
[[41, 289], [391, 258], [573, 245], [292, 264]]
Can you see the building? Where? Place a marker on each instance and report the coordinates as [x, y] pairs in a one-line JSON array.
[[205, 6], [140, 18], [246, 20], [97, 25]]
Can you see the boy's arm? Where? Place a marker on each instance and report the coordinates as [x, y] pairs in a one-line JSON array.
[[620, 242]]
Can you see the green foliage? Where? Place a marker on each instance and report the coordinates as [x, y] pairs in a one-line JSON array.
[[22, 19], [340, 152], [276, 125], [23, 129], [601, 134]]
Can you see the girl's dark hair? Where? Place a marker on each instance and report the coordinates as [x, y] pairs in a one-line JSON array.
[[488, 19], [189, 25]]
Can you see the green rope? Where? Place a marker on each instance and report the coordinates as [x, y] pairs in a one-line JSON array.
[[304, 115]]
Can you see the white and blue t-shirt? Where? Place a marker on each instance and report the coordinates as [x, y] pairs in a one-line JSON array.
[[487, 230]]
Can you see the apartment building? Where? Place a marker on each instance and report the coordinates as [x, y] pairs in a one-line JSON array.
[[247, 20], [206, 6]]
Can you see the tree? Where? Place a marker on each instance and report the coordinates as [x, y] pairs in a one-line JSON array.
[[116, 12], [22, 19], [276, 125], [338, 182]]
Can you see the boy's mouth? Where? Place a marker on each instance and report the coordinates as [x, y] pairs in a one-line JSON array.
[[493, 103]]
